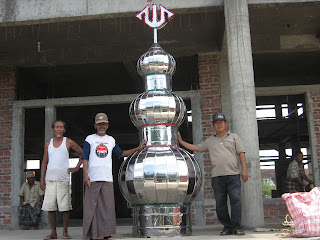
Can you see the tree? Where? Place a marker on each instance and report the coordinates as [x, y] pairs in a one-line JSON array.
[[267, 187]]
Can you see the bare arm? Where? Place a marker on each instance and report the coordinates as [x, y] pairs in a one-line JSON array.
[[130, 151], [44, 166], [86, 178], [243, 162], [299, 180], [190, 146], [75, 147], [307, 179]]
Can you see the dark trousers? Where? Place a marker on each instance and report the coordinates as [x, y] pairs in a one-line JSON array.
[[224, 186]]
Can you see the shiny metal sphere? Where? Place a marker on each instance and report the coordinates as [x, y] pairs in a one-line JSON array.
[[160, 175], [156, 60], [155, 107]]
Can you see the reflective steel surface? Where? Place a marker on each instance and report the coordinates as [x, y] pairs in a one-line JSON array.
[[158, 81], [160, 135], [158, 175], [157, 107], [156, 60], [161, 180], [161, 220]]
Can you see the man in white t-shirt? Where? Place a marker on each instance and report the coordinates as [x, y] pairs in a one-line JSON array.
[[55, 176], [99, 219]]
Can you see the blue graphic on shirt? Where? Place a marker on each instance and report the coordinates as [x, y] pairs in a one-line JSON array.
[[101, 151]]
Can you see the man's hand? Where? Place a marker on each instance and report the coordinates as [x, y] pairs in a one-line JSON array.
[[179, 137], [86, 181], [73, 170], [244, 175], [142, 145], [42, 184]]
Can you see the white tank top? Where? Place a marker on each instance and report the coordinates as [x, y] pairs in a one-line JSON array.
[[58, 162]]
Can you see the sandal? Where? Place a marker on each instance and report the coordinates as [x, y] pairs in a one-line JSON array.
[[225, 232], [51, 237], [66, 236], [239, 232]]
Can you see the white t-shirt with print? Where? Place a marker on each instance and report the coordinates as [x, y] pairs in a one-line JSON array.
[[100, 158]]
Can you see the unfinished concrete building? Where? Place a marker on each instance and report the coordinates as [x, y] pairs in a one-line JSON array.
[[70, 59]]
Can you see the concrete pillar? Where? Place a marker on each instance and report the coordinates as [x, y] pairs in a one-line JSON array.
[[50, 117], [244, 106], [281, 167], [225, 83], [311, 107], [17, 162], [198, 203], [295, 136]]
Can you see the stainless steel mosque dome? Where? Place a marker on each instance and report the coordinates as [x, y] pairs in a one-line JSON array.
[[155, 107], [156, 60], [160, 175], [161, 180]]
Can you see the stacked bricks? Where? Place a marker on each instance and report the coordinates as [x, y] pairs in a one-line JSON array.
[[7, 95], [211, 103], [275, 211]]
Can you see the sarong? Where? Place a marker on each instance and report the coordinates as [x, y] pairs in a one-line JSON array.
[[292, 185], [29, 216], [99, 217]]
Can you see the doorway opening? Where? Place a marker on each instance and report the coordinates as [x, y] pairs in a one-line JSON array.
[[283, 130]]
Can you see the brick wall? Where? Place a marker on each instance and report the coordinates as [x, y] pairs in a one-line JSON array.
[[211, 103], [275, 211], [7, 94]]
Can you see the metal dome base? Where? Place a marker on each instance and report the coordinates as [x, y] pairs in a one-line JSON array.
[[161, 220]]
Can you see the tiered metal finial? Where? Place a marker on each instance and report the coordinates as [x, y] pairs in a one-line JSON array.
[[161, 180]]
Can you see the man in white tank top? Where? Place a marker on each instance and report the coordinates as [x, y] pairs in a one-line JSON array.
[[55, 176]]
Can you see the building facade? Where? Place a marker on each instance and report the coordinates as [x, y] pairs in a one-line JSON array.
[[71, 59]]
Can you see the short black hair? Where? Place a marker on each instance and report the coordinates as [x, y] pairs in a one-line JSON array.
[[297, 153], [64, 124]]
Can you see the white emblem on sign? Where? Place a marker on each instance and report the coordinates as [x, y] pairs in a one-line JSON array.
[[155, 23]]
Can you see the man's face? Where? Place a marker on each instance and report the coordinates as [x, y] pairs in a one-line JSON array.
[[58, 129], [220, 126], [299, 158], [101, 128], [31, 180]]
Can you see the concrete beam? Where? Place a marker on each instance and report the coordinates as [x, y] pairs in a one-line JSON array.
[[33, 10], [278, 1], [85, 101], [299, 42], [286, 90]]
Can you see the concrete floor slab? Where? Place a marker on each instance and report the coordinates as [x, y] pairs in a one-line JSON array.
[[124, 232]]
